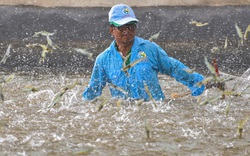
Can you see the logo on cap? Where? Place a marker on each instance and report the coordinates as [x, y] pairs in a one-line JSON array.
[[125, 10], [121, 14]]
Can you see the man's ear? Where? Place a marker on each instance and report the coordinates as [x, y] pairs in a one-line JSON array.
[[111, 30]]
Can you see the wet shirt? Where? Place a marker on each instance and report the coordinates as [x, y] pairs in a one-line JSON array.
[[108, 69]]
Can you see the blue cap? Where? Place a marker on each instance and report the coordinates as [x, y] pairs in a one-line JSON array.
[[121, 14]]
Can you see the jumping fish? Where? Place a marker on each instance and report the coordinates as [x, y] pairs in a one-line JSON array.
[[241, 125], [215, 50], [124, 63], [6, 55], [234, 93], [139, 102], [243, 91], [45, 49], [8, 78], [118, 88], [43, 33], [119, 104], [103, 103], [147, 129], [59, 95], [4, 80], [149, 94], [133, 64], [239, 32], [227, 109], [231, 93], [198, 24], [211, 68], [1, 93], [85, 52], [31, 45], [29, 88], [85, 151], [226, 43], [247, 32], [56, 99], [190, 71], [207, 101], [204, 81], [50, 43], [47, 35], [71, 86], [155, 36], [226, 79]]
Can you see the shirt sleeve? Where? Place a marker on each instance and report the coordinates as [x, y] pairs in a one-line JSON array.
[[97, 81], [176, 69]]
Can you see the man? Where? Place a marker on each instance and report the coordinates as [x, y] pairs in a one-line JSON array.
[[136, 79]]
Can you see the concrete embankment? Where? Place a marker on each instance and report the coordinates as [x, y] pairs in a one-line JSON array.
[[87, 28], [109, 3]]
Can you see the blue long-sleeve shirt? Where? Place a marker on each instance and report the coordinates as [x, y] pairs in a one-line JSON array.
[[108, 65]]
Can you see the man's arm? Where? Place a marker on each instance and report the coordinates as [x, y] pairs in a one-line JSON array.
[[176, 69], [97, 81]]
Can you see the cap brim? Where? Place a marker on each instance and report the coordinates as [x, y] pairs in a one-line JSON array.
[[125, 21]]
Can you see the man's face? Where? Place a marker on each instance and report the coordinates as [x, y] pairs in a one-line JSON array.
[[124, 34]]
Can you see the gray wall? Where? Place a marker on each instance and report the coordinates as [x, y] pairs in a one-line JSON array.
[[108, 3]]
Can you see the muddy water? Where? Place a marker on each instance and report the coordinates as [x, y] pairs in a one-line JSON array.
[[177, 127]]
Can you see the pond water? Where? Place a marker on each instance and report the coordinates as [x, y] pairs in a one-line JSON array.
[[178, 126]]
